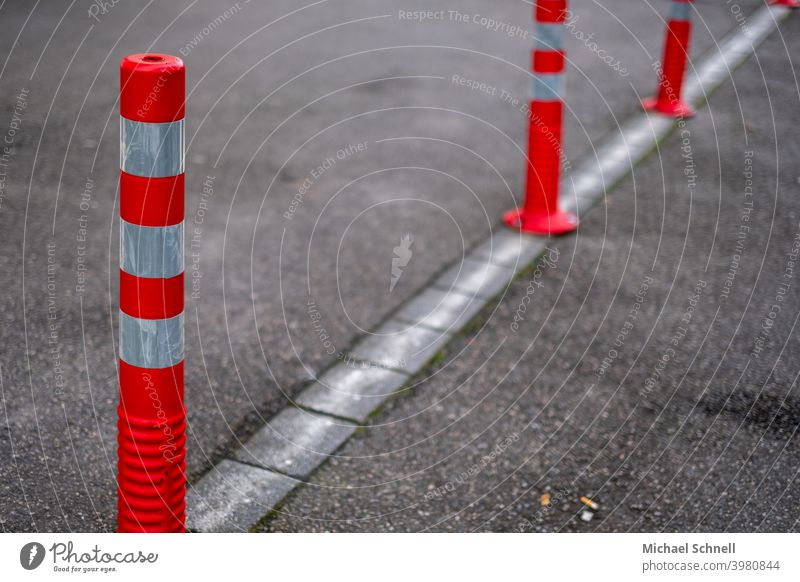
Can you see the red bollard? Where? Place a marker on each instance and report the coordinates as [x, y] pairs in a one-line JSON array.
[[787, 3], [152, 419], [676, 52], [540, 213]]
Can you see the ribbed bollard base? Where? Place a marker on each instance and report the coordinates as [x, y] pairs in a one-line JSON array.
[[152, 475]]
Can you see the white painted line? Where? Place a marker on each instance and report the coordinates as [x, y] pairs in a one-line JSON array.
[[733, 51], [352, 393], [295, 442], [484, 272], [440, 310], [400, 346], [233, 496], [508, 248], [478, 278]]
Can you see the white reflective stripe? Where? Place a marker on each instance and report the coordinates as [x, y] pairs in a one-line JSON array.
[[547, 86], [680, 11], [151, 251], [151, 343], [549, 36], [152, 150]]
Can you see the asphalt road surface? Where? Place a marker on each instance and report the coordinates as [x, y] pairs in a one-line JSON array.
[[317, 137], [656, 372]]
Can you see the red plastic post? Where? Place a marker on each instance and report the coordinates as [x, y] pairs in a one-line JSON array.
[[152, 420], [673, 67], [540, 213]]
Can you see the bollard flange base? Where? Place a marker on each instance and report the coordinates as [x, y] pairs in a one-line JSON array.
[[677, 109], [559, 222]]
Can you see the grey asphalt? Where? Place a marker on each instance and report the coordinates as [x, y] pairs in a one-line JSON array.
[[654, 370], [275, 91]]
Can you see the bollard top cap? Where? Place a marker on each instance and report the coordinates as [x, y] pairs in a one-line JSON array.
[[152, 88]]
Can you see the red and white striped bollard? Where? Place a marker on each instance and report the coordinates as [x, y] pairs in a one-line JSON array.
[[540, 213], [786, 3], [673, 68], [152, 419]]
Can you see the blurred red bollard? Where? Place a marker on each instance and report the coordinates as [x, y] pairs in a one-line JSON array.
[[540, 213], [152, 419], [676, 53], [787, 3]]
